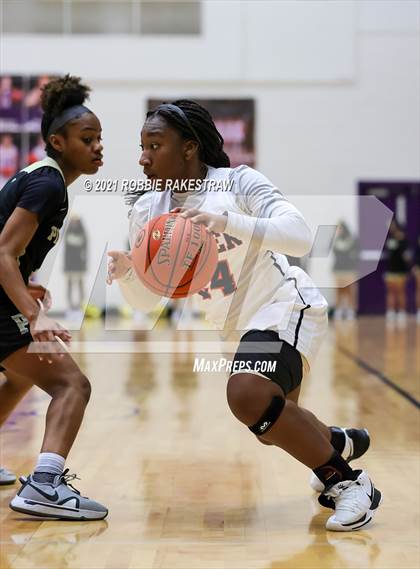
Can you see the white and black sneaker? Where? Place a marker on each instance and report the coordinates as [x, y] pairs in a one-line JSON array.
[[6, 477], [357, 443], [56, 500], [355, 503]]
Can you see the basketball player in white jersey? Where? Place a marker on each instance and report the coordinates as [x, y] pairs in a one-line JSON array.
[[279, 311]]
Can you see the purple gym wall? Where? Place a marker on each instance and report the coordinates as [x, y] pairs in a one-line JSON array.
[[403, 198]]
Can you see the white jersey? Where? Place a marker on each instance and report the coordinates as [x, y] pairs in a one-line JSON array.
[[253, 287]]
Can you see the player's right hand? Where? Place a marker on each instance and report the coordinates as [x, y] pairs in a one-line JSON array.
[[44, 329], [118, 265], [38, 291]]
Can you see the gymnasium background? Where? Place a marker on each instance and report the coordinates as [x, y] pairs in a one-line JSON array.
[[333, 87]]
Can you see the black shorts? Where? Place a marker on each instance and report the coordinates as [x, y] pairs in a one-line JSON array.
[[14, 333], [270, 357]]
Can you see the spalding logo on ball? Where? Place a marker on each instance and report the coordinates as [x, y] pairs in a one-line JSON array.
[[174, 257]]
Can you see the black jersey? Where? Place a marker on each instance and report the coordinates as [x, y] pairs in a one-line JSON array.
[[396, 249], [39, 188], [416, 261]]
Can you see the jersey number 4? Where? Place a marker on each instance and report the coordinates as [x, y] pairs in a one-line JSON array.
[[222, 279]]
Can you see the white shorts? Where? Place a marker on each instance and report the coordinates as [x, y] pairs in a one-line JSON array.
[[306, 330]]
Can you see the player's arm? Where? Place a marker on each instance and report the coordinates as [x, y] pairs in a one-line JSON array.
[[120, 268], [14, 238], [133, 290], [269, 217], [41, 196], [286, 232]]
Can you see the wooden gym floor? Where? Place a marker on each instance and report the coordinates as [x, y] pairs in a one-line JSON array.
[[188, 487]]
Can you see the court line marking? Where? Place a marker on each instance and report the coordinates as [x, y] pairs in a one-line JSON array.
[[382, 377]]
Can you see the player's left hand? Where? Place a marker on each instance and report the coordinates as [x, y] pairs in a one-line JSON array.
[[212, 221]]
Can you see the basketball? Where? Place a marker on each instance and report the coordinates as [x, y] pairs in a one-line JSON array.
[[174, 257]]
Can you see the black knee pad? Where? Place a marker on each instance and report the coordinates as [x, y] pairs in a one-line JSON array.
[[269, 417]]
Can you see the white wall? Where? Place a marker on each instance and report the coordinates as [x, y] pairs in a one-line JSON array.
[[336, 86], [253, 40]]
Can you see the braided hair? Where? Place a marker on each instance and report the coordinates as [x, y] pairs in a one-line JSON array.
[[192, 122], [57, 96], [196, 124]]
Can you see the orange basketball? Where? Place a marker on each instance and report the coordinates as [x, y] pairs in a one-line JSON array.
[[174, 257]]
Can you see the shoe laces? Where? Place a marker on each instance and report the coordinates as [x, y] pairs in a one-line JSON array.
[[345, 495], [66, 478]]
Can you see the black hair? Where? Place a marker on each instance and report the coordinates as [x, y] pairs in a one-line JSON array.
[[196, 123], [192, 122], [56, 96]]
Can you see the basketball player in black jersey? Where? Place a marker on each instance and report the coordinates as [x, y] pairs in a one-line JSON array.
[[33, 206]]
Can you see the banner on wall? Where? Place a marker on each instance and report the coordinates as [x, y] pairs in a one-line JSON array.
[[20, 123], [234, 119]]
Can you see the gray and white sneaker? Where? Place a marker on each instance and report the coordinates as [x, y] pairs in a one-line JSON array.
[[6, 477], [357, 443], [355, 503], [57, 500]]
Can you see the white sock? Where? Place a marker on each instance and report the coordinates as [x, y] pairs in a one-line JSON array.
[[50, 462]]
